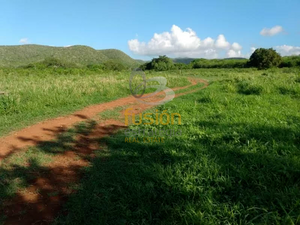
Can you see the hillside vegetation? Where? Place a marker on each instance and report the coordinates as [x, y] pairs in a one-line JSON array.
[[189, 60], [261, 59], [78, 55]]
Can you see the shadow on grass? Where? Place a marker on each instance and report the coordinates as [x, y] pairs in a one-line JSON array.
[[193, 180], [250, 176], [35, 183]]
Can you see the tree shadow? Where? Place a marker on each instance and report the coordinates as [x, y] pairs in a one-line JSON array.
[[35, 183], [198, 179], [203, 180]]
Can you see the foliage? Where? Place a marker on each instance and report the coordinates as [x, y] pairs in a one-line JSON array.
[[181, 66], [183, 60], [159, 64], [265, 58], [114, 65], [162, 63], [290, 61], [120, 57], [219, 63]]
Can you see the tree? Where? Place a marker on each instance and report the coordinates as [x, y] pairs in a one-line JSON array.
[[162, 63], [264, 58]]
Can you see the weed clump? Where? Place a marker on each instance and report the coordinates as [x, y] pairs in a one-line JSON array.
[[247, 88]]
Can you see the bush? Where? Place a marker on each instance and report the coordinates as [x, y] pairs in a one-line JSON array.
[[180, 66], [247, 88], [114, 65], [95, 67], [162, 63], [219, 63], [56, 63], [265, 58], [290, 61], [50, 62]]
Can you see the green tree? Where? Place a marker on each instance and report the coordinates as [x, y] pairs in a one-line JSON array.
[[162, 63], [264, 58]]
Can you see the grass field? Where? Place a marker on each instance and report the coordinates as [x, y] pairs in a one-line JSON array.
[[236, 162], [34, 95]]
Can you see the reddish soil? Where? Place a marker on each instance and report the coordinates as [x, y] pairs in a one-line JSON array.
[[40, 202]]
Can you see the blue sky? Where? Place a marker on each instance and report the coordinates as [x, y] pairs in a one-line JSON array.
[[112, 24]]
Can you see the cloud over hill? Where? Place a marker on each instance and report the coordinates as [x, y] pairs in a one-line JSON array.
[[184, 43]]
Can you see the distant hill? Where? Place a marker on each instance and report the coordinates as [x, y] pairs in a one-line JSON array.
[[188, 60], [118, 55], [80, 55], [235, 58], [183, 60]]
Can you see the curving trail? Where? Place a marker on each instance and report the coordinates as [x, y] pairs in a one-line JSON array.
[[36, 204], [43, 131]]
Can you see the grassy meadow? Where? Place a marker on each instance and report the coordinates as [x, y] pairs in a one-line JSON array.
[[35, 95], [236, 162]]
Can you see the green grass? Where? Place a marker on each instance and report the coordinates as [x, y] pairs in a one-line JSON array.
[[237, 161], [35, 95], [111, 113]]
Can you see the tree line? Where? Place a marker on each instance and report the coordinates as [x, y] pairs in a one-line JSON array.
[[261, 58]]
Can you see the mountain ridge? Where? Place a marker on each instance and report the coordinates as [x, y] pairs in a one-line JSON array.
[[81, 55]]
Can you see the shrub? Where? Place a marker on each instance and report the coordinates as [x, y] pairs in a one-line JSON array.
[[162, 63], [284, 90], [96, 67], [219, 63], [247, 88], [114, 65], [290, 61], [264, 58], [180, 66]]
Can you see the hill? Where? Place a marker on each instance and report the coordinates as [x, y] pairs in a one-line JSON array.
[[183, 60], [20, 55], [235, 58], [118, 55], [188, 60]]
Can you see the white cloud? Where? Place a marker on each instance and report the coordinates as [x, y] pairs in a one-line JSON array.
[[235, 46], [271, 31], [180, 43], [24, 41], [235, 50], [252, 49], [283, 50], [286, 50], [232, 53], [221, 42]]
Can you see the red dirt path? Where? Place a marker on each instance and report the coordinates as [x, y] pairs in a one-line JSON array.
[[36, 204]]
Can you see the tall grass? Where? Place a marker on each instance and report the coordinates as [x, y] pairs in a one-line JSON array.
[[34, 95], [236, 162]]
